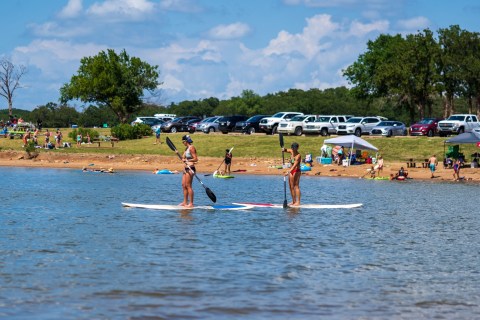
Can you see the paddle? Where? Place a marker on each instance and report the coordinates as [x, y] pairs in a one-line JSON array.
[[280, 137], [210, 194], [216, 171]]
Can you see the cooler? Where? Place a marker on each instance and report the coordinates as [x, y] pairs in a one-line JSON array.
[[322, 160]]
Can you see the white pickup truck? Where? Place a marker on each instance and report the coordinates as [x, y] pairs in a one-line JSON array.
[[325, 125], [296, 125], [457, 124], [270, 124]]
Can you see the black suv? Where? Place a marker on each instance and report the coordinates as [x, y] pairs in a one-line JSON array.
[[227, 123], [250, 125], [179, 124]]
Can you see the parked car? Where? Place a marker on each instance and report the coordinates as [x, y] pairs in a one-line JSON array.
[[192, 125], [151, 121], [208, 125], [325, 125], [165, 116], [227, 123], [179, 124], [249, 126], [359, 125], [389, 128], [296, 124], [425, 127], [270, 124]]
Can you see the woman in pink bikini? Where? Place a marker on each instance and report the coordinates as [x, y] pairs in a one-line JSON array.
[[294, 174]]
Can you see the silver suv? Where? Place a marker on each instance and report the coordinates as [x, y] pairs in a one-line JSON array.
[[325, 125], [359, 125]]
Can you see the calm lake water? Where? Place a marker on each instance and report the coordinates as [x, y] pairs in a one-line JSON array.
[[71, 251]]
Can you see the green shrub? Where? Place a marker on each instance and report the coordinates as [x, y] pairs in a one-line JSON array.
[[128, 132], [83, 131]]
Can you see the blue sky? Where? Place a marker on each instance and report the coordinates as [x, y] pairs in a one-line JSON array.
[[208, 48]]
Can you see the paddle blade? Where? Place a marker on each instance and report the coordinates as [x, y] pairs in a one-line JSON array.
[[285, 205], [211, 195], [280, 137], [171, 145]]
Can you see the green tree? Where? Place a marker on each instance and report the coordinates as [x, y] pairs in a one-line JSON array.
[[52, 115], [471, 71], [94, 116], [117, 81], [449, 66], [401, 70]]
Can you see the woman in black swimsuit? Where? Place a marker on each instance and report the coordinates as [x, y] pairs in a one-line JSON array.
[[189, 158]]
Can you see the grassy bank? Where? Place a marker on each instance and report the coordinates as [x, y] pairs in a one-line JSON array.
[[258, 145]]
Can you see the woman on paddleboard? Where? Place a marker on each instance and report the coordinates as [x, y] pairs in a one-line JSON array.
[[228, 161], [294, 173], [189, 158]]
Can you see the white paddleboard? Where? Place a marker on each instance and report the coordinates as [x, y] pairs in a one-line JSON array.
[[303, 206], [177, 207]]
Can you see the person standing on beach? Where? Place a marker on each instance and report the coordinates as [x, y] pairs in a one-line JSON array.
[[47, 139], [189, 158], [79, 138], [58, 139], [379, 165], [157, 135], [432, 163], [456, 170], [294, 173]]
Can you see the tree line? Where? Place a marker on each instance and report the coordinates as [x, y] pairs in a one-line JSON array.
[[416, 70], [399, 77]]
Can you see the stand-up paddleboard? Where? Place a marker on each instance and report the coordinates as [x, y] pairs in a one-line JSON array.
[[177, 207], [378, 178], [223, 176], [303, 206]]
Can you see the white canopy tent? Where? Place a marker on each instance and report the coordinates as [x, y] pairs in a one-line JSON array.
[[352, 142]]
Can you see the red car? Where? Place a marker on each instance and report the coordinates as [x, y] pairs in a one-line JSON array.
[[425, 127]]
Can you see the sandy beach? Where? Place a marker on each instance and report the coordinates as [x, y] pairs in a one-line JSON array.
[[208, 165]]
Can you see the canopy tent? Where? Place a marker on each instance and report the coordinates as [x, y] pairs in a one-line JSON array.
[[464, 138], [352, 142], [467, 137]]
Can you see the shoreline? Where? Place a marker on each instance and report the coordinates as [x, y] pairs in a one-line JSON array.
[[260, 166]]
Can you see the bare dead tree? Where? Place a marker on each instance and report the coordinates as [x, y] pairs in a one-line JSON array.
[[10, 76]]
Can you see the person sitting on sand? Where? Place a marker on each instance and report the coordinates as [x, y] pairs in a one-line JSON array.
[[401, 174]]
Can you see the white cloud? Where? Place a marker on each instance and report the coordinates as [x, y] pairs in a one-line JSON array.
[[359, 29], [56, 58], [53, 29], [230, 31], [72, 9], [306, 43], [133, 9], [337, 3], [179, 5], [417, 23]]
